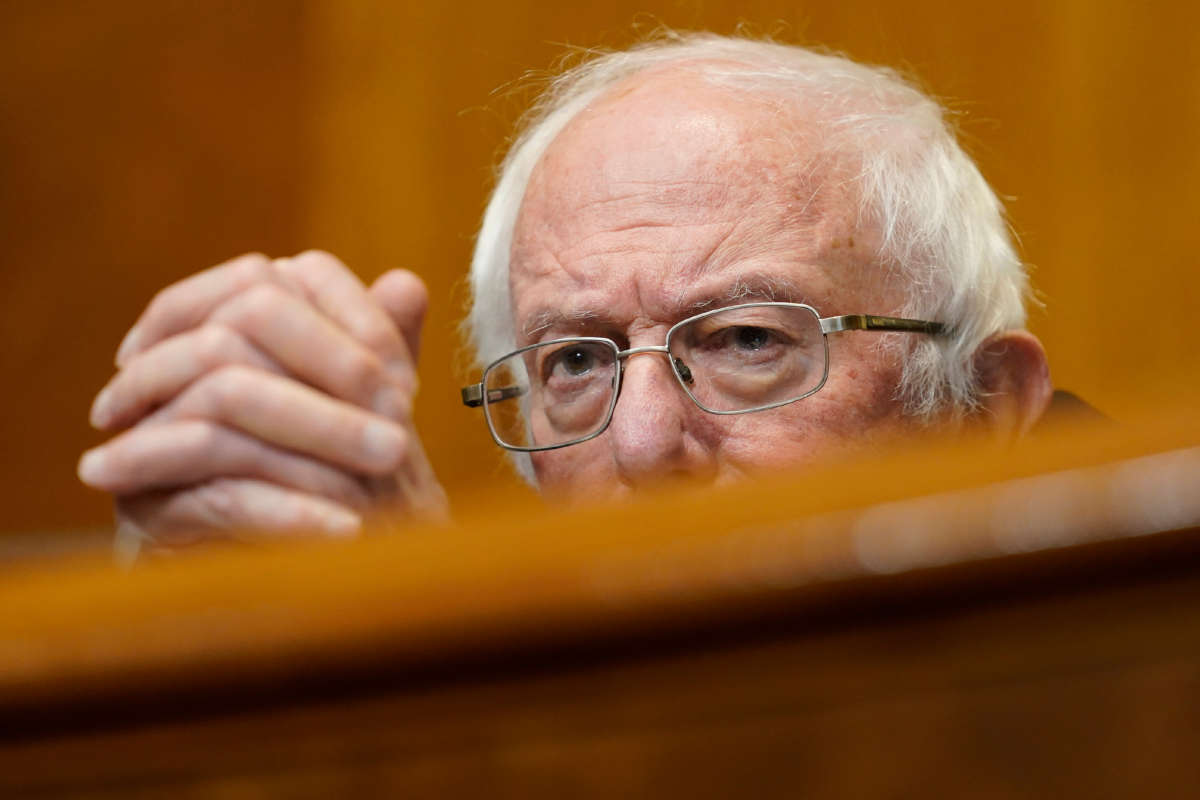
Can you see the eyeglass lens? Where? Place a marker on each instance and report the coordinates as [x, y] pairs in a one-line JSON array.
[[738, 359], [564, 391], [751, 357]]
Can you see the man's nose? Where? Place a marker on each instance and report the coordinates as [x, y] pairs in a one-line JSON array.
[[654, 427]]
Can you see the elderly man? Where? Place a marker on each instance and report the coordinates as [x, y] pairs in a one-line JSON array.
[[704, 257]]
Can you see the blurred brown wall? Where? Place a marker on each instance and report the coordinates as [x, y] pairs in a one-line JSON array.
[[140, 141]]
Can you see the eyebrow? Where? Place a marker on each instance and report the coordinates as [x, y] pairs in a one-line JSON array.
[[548, 318], [744, 289]]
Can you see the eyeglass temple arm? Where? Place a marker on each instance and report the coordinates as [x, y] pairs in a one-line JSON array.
[[870, 322], [472, 396]]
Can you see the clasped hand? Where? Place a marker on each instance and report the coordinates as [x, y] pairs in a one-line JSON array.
[[264, 396]]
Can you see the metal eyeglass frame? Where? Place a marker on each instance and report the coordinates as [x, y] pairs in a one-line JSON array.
[[474, 395]]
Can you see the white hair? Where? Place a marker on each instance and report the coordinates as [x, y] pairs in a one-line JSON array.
[[941, 228]]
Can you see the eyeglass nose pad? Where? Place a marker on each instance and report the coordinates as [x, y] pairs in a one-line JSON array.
[[684, 372]]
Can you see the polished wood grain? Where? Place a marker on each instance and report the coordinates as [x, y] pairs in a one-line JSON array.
[[957, 619], [141, 141]]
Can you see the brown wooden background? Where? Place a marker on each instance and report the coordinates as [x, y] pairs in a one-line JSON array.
[[140, 141]]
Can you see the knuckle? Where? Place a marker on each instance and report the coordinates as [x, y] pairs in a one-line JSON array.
[[360, 372], [164, 302], [318, 260], [251, 267], [199, 437], [238, 502], [229, 387], [217, 344], [258, 305], [217, 501], [179, 518], [374, 334]]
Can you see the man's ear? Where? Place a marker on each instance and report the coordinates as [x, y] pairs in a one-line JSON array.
[[1014, 382]]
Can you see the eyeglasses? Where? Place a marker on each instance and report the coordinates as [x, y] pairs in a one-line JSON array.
[[733, 360]]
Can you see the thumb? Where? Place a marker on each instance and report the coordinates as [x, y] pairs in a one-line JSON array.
[[405, 299]]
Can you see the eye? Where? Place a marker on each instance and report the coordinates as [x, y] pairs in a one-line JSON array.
[[745, 340], [574, 361], [747, 337]]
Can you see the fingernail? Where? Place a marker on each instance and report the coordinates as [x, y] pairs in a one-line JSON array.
[[100, 415], [91, 467], [342, 524], [389, 402], [382, 443], [384, 402], [128, 345], [400, 371]]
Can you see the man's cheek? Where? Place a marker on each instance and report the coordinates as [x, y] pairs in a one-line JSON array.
[[570, 470], [790, 436]]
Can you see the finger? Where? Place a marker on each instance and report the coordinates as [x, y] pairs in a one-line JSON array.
[[414, 488], [337, 292], [195, 451], [156, 375], [189, 302], [232, 508], [290, 415], [311, 347], [404, 297]]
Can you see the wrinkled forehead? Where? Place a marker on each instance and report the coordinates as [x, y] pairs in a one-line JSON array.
[[685, 166], [673, 139]]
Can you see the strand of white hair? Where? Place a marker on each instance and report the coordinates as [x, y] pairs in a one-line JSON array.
[[941, 228]]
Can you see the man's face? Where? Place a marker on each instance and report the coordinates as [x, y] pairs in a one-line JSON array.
[[667, 198]]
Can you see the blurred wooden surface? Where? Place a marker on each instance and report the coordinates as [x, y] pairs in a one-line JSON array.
[[958, 621], [141, 141]]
